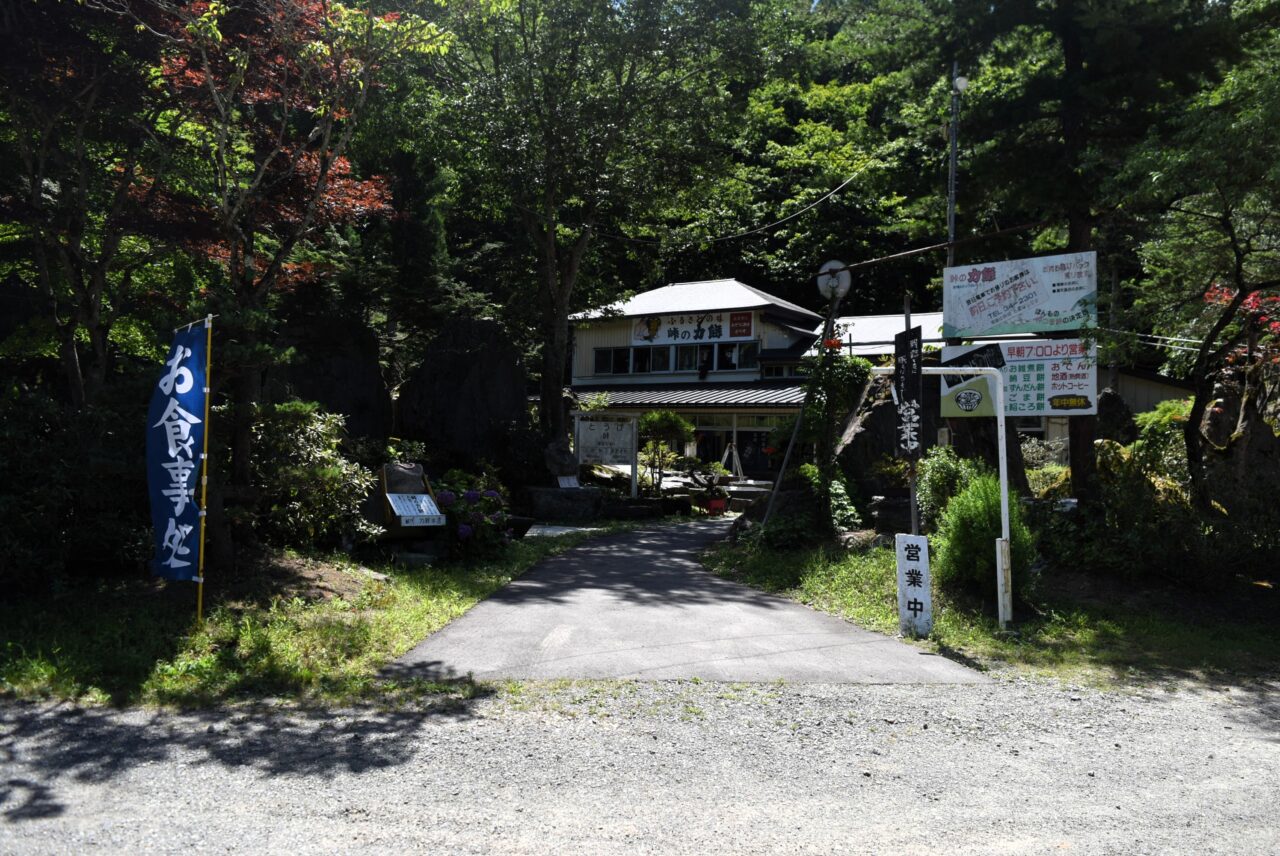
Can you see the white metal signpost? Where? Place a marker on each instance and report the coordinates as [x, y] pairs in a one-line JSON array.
[[1004, 573]]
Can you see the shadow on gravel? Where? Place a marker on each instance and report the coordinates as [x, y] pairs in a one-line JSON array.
[[1258, 705], [42, 743]]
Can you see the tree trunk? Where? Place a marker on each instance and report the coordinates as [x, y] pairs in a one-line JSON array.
[[1081, 429], [69, 354], [554, 354]]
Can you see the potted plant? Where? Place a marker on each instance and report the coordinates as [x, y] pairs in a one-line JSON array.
[[716, 500]]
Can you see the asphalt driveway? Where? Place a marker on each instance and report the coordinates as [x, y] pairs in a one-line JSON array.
[[640, 605]]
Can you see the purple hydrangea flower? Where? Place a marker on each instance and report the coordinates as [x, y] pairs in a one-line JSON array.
[[476, 518], [492, 494], [446, 498], [464, 531], [471, 495]]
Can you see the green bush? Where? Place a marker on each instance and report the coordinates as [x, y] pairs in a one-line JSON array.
[[73, 488], [1142, 526], [967, 536], [307, 493], [941, 476], [843, 513]]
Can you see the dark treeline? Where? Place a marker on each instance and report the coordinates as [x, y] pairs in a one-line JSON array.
[[375, 181]]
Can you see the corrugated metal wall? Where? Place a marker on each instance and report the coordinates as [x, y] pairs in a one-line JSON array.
[[608, 334]]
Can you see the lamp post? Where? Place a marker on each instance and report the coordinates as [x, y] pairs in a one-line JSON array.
[[958, 85]]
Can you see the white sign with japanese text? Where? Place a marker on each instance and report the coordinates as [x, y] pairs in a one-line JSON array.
[[1042, 377], [606, 441], [915, 593], [1040, 295], [415, 509], [693, 327]]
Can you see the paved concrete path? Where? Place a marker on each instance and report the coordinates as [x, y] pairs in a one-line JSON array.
[[640, 605]]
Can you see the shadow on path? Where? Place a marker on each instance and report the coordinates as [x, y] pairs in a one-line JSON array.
[[43, 743]]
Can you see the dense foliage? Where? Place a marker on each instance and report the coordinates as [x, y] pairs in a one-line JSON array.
[[389, 170]]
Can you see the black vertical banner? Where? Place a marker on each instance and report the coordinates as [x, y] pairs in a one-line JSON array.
[[908, 387]]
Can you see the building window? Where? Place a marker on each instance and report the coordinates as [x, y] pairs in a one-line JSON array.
[[613, 360], [780, 371], [649, 360], [694, 358], [748, 355], [727, 358]]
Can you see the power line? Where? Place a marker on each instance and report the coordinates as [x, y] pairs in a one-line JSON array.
[[757, 230]]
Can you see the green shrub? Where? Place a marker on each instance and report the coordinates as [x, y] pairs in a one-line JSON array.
[[73, 487], [308, 493], [1142, 526], [941, 476], [843, 513], [967, 536]]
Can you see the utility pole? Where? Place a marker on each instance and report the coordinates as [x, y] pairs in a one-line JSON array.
[[958, 85]]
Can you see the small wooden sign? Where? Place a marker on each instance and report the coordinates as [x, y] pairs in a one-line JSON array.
[[569, 482]]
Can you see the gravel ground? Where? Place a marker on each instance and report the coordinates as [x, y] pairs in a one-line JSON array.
[[1009, 766]]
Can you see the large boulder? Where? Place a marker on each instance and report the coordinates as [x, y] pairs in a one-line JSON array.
[[1243, 472], [1115, 419], [873, 437], [467, 395], [336, 364]]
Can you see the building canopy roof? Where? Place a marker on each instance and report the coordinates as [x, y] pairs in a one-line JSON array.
[[713, 295], [695, 395]]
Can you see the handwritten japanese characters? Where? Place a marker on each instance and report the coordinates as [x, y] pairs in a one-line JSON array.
[[606, 441], [909, 391], [175, 452]]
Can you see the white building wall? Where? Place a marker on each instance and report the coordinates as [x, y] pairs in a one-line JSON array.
[[616, 333]]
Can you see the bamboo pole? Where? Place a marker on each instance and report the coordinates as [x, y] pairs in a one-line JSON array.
[[204, 467]]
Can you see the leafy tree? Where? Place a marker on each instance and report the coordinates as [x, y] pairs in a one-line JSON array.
[[275, 89], [1214, 256], [663, 432], [582, 114], [78, 132]]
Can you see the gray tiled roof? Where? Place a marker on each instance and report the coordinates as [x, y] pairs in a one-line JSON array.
[[713, 295], [745, 394]]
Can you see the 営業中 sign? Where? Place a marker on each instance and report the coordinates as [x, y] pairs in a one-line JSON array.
[[915, 596], [1049, 377], [1040, 295]]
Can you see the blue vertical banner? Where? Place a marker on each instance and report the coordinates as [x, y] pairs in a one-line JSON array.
[[176, 424]]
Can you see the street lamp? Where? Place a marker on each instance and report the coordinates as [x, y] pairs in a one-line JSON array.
[[834, 280], [958, 85]]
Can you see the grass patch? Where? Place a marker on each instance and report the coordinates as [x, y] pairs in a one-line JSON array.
[[134, 642], [1095, 640]]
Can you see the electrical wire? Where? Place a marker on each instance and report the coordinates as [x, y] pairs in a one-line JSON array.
[[749, 232]]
